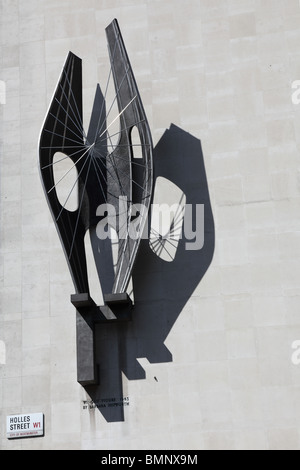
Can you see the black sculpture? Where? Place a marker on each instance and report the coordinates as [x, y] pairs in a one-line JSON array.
[[108, 174]]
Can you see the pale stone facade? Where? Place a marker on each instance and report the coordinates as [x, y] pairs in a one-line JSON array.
[[207, 362]]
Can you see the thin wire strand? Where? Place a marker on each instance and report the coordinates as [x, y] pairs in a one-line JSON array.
[[117, 93], [123, 129], [79, 120], [64, 137], [66, 127], [62, 159], [105, 93], [81, 131], [119, 115]]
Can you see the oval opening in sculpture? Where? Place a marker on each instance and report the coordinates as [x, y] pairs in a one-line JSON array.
[[66, 181], [136, 143]]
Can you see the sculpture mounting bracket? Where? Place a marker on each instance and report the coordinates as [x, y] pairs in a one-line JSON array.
[[117, 309]]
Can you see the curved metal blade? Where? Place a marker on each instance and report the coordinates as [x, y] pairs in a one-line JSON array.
[[131, 179]]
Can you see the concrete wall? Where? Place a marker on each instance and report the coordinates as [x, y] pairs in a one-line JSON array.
[[207, 361]]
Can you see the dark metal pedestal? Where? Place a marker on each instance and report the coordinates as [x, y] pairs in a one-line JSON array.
[[117, 308]]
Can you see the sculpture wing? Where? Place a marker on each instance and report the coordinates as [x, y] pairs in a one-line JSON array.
[[130, 177]]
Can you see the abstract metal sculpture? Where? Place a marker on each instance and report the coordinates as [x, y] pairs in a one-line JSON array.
[[108, 173]]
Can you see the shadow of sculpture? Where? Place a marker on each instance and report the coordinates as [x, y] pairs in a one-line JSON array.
[[161, 288]]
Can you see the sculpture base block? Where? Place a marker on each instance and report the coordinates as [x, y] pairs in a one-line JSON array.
[[117, 308]]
